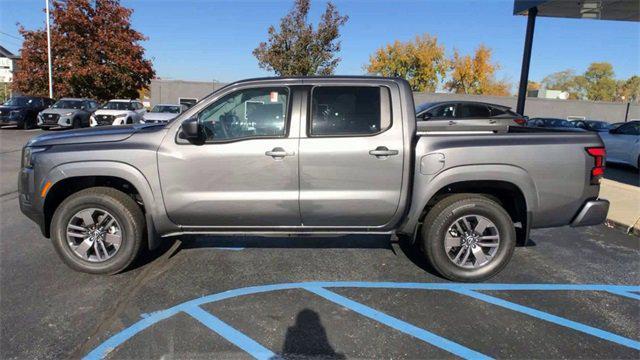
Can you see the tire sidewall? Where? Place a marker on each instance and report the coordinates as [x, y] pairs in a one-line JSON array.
[[435, 234], [124, 255]]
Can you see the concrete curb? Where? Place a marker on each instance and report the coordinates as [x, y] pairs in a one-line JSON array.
[[624, 210]]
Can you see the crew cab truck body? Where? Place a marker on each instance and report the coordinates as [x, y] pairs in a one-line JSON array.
[[333, 155]]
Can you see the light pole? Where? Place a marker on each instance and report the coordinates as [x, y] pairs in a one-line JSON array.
[[46, 2]]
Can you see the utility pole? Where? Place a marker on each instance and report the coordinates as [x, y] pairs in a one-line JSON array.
[[46, 2]]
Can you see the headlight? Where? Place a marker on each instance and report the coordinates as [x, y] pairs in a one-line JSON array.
[[27, 155], [119, 116], [68, 114]]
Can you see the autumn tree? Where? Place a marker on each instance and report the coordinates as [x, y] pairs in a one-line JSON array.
[[533, 85], [422, 62], [296, 49], [476, 75], [95, 53], [629, 90]]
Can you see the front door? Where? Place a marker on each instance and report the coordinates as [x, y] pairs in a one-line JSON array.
[[351, 157], [246, 172]]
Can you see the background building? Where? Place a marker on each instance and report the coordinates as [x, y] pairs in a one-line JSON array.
[[8, 65]]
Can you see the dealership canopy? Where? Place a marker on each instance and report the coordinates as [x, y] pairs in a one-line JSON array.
[[620, 10]]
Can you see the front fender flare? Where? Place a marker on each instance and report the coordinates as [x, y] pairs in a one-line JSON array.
[[153, 206]]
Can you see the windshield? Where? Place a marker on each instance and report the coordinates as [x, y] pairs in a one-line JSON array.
[[68, 104], [118, 105], [174, 109], [18, 101]]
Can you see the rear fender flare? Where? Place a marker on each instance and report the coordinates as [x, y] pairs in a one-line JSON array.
[[424, 191]]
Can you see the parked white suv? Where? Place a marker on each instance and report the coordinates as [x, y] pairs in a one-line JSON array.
[[118, 112]]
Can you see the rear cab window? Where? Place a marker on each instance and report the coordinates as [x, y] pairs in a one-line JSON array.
[[349, 111]]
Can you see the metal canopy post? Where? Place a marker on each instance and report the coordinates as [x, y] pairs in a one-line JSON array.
[[526, 59]]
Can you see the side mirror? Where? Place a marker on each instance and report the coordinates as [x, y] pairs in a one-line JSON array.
[[191, 129], [426, 117]]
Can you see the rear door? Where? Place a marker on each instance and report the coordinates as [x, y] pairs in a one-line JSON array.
[[351, 156]]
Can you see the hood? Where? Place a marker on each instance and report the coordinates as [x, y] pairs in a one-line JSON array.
[[90, 135], [158, 116], [58, 111], [111, 112]]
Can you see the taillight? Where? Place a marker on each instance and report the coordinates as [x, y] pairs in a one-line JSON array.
[[520, 121], [597, 171]]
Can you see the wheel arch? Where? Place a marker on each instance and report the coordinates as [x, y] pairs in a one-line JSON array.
[[70, 178], [511, 186]]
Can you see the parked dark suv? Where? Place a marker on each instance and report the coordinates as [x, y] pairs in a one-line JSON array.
[[469, 112], [23, 110]]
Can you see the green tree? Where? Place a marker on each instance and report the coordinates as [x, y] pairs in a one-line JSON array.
[[95, 53], [296, 49], [476, 75], [600, 84], [566, 80], [422, 62]]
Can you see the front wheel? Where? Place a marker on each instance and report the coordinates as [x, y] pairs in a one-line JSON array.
[[468, 237], [98, 230]]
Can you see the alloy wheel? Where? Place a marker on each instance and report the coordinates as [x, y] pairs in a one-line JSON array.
[[472, 241], [94, 235]]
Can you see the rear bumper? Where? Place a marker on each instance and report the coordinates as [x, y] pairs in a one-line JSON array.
[[593, 212]]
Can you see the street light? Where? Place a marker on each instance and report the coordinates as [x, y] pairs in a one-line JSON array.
[[46, 2]]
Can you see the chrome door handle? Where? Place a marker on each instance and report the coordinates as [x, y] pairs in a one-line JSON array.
[[279, 152], [383, 151]]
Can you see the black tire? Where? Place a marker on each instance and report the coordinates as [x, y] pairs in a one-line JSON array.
[[122, 207], [444, 214], [75, 123], [25, 124]]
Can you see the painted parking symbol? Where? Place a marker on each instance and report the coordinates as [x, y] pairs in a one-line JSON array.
[[253, 348]]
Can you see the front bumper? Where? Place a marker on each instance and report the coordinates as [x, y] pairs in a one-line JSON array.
[[6, 120], [30, 205], [593, 212]]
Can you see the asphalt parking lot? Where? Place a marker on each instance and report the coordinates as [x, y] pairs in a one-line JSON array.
[[571, 293]]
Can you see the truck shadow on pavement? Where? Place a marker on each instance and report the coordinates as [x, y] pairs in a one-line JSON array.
[[168, 248]]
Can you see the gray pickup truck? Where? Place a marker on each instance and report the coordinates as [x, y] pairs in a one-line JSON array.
[[326, 156]]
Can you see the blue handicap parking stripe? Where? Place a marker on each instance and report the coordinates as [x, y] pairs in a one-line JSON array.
[[627, 294], [232, 335], [398, 324], [466, 289], [552, 318]]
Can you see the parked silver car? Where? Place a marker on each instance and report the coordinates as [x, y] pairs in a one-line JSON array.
[[623, 144], [163, 113], [468, 113], [67, 113]]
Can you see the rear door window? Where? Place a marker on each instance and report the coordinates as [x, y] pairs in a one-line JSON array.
[[447, 111], [349, 110], [470, 111]]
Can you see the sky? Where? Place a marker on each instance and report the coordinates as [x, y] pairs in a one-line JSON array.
[[209, 40]]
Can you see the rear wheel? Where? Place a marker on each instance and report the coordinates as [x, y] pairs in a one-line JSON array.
[[98, 230], [468, 237]]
